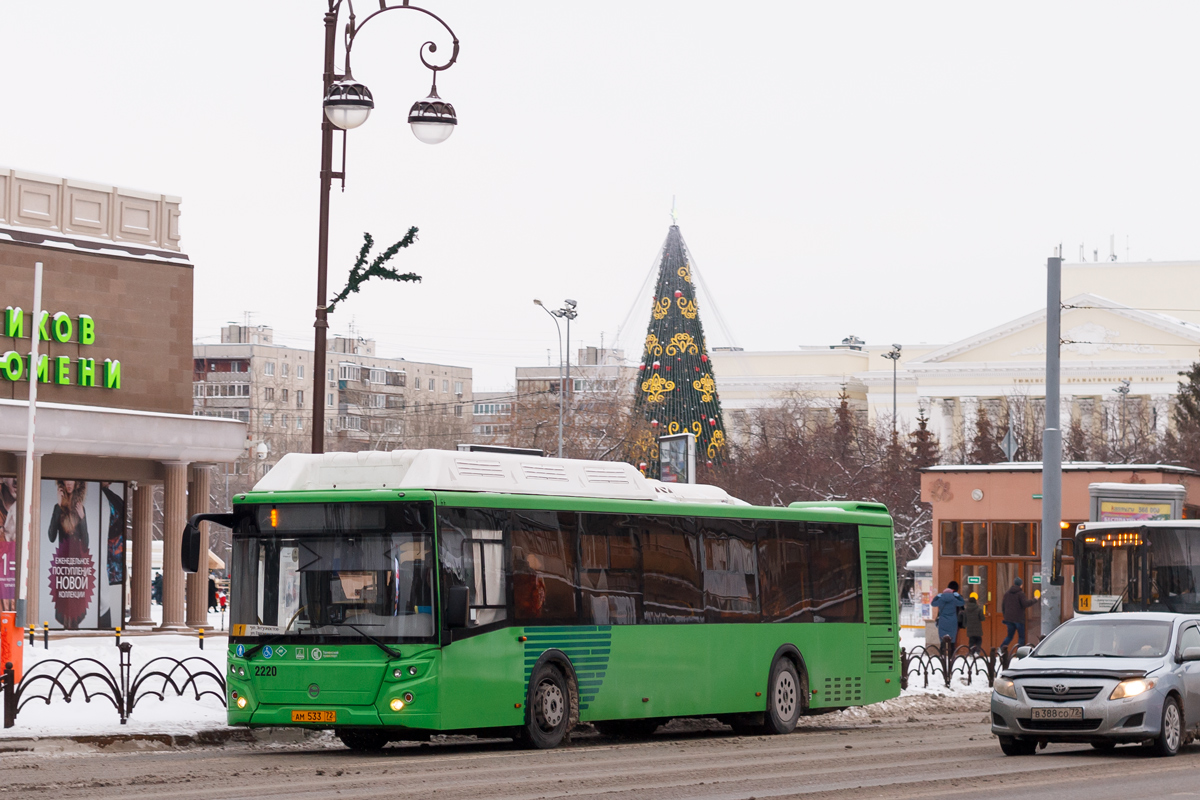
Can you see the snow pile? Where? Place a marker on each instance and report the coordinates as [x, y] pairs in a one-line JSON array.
[[173, 715]]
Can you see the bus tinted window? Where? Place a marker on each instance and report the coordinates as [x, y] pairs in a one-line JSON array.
[[810, 572], [730, 571], [783, 558], [672, 567], [543, 566], [835, 573], [610, 570]]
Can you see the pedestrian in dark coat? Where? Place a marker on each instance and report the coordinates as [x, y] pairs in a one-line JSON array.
[[1013, 607], [973, 617], [948, 603]]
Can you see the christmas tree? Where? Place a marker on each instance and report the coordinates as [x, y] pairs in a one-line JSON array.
[[677, 392]]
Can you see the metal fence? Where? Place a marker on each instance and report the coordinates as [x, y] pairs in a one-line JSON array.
[[91, 679], [942, 664]]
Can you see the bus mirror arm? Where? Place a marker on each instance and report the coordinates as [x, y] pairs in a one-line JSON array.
[[189, 551], [1056, 565], [457, 607]]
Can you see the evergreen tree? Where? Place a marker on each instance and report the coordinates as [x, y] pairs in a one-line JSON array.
[[923, 445], [677, 391], [1183, 444], [985, 449]]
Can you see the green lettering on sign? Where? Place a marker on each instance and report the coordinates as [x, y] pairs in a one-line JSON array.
[[1037, 578], [62, 370], [974, 579], [13, 365], [45, 335], [43, 368], [14, 322], [87, 329], [86, 372], [63, 328], [112, 374]]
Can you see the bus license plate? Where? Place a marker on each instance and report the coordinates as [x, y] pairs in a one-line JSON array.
[[322, 716], [1058, 713]]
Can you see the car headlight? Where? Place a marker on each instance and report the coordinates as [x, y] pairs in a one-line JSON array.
[[1131, 687], [1005, 688]]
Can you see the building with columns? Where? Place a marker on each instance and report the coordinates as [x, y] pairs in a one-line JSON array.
[[1128, 329], [114, 405]]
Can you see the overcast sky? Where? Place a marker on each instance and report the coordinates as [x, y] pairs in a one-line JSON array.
[[895, 171]]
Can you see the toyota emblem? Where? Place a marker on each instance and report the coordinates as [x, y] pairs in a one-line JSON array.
[[1060, 688]]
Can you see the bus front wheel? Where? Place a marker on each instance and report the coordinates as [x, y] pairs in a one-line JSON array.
[[784, 698], [549, 708]]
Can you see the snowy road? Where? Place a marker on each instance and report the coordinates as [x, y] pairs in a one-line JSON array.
[[948, 755]]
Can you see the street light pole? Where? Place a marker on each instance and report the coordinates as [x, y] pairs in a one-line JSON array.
[[561, 382], [347, 104], [894, 356]]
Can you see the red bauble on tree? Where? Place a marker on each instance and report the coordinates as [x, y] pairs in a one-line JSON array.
[[678, 294], [704, 358]]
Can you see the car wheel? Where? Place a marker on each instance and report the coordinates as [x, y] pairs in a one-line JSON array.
[[784, 698], [1104, 745], [548, 712], [363, 741], [1012, 746], [1170, 737]]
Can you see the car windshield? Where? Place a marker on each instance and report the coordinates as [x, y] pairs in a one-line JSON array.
[[334, 570], [1111, 638]]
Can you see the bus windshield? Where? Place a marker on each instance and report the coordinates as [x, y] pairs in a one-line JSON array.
[[334, 571], [1140, 568]]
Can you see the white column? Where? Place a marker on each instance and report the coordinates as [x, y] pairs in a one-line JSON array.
[[970, 415], [1162, 413]]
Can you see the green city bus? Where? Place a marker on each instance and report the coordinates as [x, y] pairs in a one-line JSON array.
[[395, 596]]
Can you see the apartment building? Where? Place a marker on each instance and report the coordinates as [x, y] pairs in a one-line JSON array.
[[371, 402]]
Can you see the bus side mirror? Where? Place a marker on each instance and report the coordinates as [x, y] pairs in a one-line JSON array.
[[457, 607], [189, 552], [1056, 565]]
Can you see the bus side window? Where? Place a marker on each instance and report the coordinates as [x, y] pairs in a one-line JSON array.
[[543, 566], [730, 571], [610, 570], [471, 554], [673, 567], [783, 562]]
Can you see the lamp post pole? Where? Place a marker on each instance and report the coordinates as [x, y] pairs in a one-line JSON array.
[[561, 382], [894, 356], [1051, 448], [347, 104]]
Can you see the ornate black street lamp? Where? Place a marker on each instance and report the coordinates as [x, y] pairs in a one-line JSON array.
[[347, 105]]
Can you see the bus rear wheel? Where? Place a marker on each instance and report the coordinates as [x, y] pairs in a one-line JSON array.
[[784, 698], [548, 712], [363, 741]]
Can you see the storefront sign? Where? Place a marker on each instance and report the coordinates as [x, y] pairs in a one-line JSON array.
[[1118, 510], [62, 370]]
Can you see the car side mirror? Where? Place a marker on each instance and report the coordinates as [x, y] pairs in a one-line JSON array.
[[1190, 654], [458, 609], [1026, 650]]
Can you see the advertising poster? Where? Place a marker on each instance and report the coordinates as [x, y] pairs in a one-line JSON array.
[[1118, 511], [82, 572], [8, 543]]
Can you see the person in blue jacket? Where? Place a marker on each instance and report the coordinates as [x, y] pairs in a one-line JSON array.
[[948, 603]]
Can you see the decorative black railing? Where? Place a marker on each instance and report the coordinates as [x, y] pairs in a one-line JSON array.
[[91, 679], [943, 663]]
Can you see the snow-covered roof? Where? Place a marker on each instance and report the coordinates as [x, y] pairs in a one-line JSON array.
[[1070, 466], [923, 562], [1138, 488], [448, 470]]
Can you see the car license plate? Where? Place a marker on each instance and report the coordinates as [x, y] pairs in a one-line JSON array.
[[1058, 713], [320, 716]]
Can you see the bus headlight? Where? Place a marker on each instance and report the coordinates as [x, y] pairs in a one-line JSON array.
[[397, 704], [1131, 687], [1005, 688]]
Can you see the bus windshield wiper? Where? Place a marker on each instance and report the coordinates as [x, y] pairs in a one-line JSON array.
[[374, 641], [270, 640]]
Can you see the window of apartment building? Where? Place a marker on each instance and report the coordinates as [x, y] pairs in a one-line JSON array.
[[397, 378], [269, 368], [283, 420], [299, 370], [348, 372], [431, 385], [394, 401], [269, 394], [198, 389], [445, 386], [458, 387], [212, 367], [285, 369], [227, 390], [283, 393], [329, 399], [378, 376], [299, 398], [964, 538], [376, 400], [458, 411], [299, 423], [391, 426], [577, 384], [329, 374], [268, 419]]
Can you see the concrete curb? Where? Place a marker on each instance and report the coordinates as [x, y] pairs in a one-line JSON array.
[[157, 741]]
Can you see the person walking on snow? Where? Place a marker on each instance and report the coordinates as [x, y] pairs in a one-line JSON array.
[[973, 617], [947, 604], [1013, 606]]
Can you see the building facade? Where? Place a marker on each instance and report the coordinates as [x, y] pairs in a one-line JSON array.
[[113, 413], [372, 402]]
